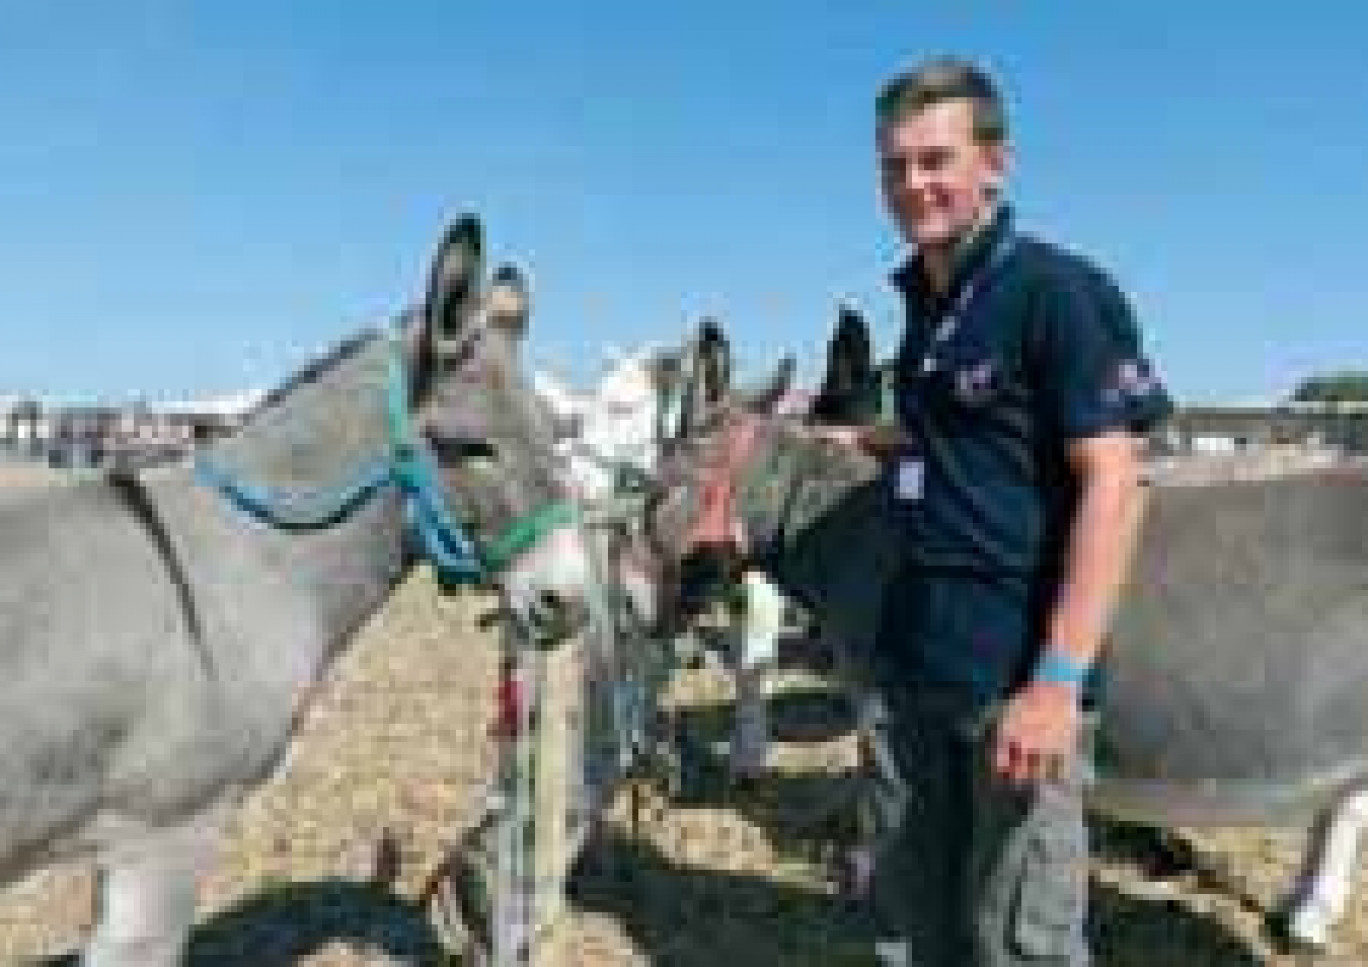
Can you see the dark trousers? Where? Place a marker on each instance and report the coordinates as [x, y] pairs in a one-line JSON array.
[[971, 872]]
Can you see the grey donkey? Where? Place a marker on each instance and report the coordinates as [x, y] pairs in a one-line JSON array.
[[156, 642]]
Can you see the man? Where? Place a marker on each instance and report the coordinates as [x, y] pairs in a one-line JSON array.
[[1022, 390]]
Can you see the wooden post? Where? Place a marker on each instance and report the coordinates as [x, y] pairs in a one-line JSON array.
[[558, 777]]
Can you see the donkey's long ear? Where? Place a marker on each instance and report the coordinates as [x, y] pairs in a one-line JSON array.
[[707, 387], [849, 372], [714, 361], [509, 302], [850, 342], [453, 291]]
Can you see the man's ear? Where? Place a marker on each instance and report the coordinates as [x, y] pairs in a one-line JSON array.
[[999, 162]]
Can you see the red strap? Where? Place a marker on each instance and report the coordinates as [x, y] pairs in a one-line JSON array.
[[508, 708], [719, 524]]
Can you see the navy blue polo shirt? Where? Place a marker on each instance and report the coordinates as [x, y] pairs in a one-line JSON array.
[[1046, 350]]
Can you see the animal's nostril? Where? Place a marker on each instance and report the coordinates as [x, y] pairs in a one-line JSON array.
[[555, 616], [550, 602]]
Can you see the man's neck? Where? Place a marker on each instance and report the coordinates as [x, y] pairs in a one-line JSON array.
[[940, 261], [937, 262]]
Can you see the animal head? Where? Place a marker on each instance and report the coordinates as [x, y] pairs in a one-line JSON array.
[[723, 436], [493, 440]]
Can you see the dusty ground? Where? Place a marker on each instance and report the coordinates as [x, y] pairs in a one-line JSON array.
[[738, 879], [398, 741]]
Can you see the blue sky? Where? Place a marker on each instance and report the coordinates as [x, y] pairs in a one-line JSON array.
[[195, 197]]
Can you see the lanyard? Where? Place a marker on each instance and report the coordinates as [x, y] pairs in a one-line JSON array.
[[971, 289]]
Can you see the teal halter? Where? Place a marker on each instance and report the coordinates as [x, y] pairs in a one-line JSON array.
[[411, 467]]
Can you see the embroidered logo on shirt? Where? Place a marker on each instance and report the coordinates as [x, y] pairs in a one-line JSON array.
[[974, 384], [1131, 379]]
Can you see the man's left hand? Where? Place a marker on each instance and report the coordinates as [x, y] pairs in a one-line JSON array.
[[1038, 734]]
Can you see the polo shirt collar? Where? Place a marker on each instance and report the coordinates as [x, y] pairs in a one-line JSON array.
[[971, 253]]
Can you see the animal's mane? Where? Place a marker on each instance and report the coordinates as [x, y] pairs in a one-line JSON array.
[[313, 371], [320, 424]]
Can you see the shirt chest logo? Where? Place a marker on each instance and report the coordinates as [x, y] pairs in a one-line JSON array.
[[975, 383], [1131, 379]]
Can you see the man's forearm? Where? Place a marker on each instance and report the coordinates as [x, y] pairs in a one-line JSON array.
[[1101, 545]]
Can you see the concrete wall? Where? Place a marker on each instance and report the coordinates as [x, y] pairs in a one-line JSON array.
[[1213, 428]]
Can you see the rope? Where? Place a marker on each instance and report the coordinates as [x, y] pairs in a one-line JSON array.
[[409, 466], [295, 510]]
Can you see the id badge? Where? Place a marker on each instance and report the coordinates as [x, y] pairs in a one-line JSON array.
[[910, 478]]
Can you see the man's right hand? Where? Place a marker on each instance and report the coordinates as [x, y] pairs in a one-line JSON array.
[[881, 440], [846, 436], [885, 440]]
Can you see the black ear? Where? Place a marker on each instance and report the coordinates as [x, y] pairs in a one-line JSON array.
[[851, 340], [714, 361], [454, 279], [849, 376]]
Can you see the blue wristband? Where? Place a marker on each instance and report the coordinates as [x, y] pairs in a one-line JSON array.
[[1056, 667]]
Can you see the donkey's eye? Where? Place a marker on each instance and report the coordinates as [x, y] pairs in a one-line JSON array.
[[453, 449]]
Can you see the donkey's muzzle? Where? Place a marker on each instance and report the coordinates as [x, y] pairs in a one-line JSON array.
[[706, 575]]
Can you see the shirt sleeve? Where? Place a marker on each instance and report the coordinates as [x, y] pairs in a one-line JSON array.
[[1091, 372]]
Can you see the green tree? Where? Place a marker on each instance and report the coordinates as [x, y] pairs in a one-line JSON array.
[[1342, 387]]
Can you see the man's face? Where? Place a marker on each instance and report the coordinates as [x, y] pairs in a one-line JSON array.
[[936, 176]]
